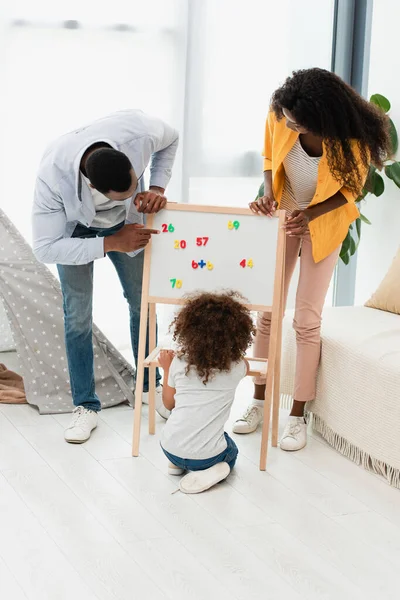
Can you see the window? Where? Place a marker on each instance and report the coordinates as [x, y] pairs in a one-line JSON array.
[[208, 67], [243, 52]]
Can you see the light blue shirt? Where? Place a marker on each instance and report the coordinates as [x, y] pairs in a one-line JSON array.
[[62, 197]]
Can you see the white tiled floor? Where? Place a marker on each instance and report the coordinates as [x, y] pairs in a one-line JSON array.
[[90, 522]]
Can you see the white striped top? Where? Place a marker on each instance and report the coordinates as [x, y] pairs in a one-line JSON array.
[[301, 175]]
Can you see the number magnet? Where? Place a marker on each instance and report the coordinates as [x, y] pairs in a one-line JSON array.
[[233, 225], [202, 241], [176, 283], [249, 263]]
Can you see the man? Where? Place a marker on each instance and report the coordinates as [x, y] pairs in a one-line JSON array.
[[90, 202]]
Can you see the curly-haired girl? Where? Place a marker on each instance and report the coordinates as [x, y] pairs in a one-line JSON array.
[[212, 332], [320, 138]]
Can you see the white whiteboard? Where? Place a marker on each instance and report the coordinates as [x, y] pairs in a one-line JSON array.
[[227, 239]]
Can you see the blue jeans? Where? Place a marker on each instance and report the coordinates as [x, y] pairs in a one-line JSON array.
[[229, 456], [77, 289]]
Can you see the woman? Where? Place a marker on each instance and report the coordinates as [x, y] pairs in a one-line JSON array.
[[320, 139]]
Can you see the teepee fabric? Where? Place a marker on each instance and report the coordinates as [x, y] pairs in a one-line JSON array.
[[32, 300], [6, 337]]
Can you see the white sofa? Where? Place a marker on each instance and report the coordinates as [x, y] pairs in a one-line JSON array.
[[357, 408]]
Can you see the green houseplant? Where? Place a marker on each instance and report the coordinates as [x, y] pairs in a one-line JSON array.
[[375, 185]]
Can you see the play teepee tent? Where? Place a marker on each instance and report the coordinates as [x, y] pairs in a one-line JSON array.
[[32, 316]]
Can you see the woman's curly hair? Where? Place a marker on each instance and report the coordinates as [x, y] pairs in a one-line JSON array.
[[213, 331], [326, 106]]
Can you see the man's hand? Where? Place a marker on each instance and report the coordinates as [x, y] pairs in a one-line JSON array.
[[150, 202], [297, 223], [266, 205], [165, 359], [128, 239]]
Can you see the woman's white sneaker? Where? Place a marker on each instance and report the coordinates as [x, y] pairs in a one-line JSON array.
[[250, 420], [295, 434], [82, 424]]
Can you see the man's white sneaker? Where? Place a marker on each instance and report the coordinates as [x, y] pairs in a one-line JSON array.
[[250, 420], [160, 408], [173, 470], [82, 424], [295, 434]]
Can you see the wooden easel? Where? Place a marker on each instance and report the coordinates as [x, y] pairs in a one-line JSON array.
[[258, 366]]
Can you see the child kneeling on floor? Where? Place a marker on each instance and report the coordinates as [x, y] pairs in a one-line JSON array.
[[212, 332]]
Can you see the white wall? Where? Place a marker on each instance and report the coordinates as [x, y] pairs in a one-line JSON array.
[[50, 84], [380, 241]]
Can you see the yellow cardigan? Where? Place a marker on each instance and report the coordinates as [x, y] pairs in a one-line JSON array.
[[329, 230]]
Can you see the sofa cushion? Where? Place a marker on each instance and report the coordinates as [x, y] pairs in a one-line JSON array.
[[387, 296]]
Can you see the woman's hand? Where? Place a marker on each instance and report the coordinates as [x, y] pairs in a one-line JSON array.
[[266, 205], [165, 359], [297, 224]]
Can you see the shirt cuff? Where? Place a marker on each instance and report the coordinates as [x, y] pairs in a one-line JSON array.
[[95, 248], [159, 179]]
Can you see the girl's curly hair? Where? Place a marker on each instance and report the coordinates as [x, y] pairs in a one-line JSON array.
[[325, 105], [212, 332]]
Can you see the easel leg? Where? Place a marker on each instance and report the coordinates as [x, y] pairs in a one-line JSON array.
[[277, 370], [273, 372], [144, 312], [277, 388], [267, 416], [152, 370], [139, 380]]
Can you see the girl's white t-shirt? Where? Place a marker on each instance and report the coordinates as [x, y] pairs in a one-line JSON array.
[[195, 429]]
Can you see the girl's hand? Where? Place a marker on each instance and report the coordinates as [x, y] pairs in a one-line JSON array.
[[266, 205], [297, 223], [165, 358]]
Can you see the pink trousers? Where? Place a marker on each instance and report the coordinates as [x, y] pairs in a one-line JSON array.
[[312, 288]]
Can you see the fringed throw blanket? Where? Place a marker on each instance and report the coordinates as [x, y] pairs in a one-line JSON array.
[[11, 387], [357, 408]]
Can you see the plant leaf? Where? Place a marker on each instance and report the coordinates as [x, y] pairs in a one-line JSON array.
[[369, 184], [346, 243], [380, 101], [393, 137], [394, 170], [353, 247], [362, 195], [364, 219], [388, 172], [260, 192], [379, 185], [345, 258], [358, 227]]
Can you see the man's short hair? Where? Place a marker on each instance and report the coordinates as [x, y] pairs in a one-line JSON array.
[[109, 170]]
